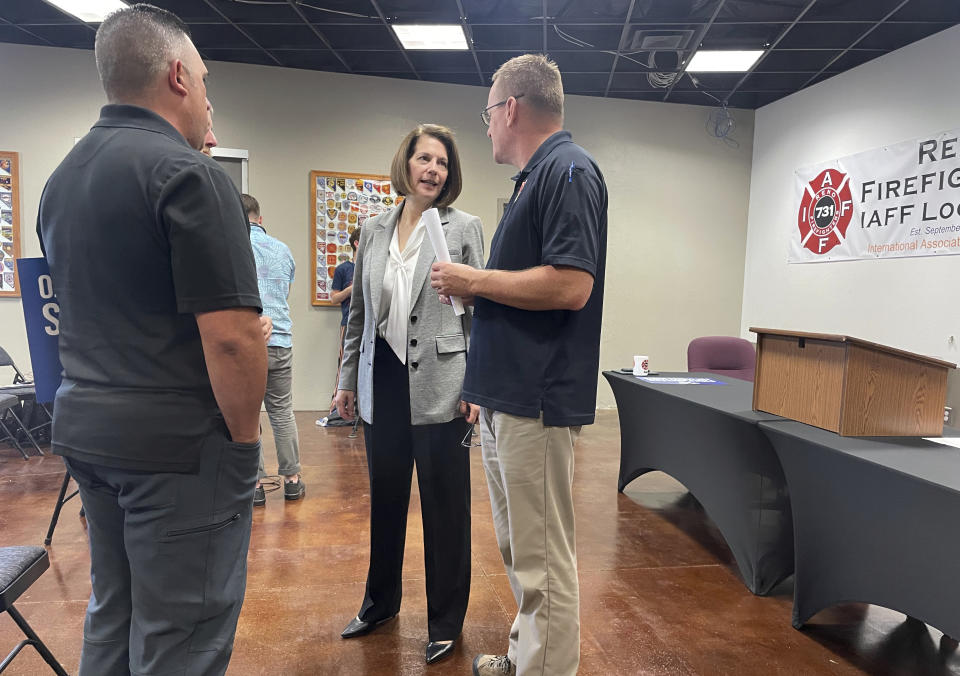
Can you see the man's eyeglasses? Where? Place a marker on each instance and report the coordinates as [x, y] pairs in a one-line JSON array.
[[485, 113]]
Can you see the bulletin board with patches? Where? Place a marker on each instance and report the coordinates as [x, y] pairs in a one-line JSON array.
[[339, 204], [9, 222]]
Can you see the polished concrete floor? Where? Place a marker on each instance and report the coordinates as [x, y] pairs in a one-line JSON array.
[[659, 591]]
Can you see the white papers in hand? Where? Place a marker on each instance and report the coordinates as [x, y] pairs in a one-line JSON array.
[[431, 221]]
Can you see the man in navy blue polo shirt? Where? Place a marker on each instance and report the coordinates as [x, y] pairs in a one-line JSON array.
[[534, 356], [164, 363]]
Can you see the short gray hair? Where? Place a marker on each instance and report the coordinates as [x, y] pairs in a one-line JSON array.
[[134, 46], [537, 78]]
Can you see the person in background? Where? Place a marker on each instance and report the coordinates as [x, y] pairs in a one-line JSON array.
[[164, 366], [275, 271], [209, 143], [534, 357], [403, 361], [342, 287]]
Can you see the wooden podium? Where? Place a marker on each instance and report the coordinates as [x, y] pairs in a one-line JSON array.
[[849, 386]]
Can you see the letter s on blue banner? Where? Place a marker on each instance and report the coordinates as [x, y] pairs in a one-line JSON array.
[[41, 313]]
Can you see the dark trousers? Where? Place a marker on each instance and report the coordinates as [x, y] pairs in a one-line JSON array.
[[443, 474], [168, 562]]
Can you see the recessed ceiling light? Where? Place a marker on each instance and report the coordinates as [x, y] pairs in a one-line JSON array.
[[436, 36], [89, 11], [718, 61]]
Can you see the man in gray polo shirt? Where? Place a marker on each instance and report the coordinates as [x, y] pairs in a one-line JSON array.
[[164, 364]]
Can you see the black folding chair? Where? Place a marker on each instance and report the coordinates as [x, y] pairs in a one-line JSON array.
[[20, 567], [62, 499], [11, 427], [26, 392]]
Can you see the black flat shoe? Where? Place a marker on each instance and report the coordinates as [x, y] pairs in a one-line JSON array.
[[358, 627], [438, 650]]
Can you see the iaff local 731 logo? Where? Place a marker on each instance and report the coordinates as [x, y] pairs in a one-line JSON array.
[[825, 211]]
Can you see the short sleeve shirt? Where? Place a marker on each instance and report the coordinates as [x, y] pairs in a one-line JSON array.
[[533, 363], [141, 231], [342, 278], [275, 273]]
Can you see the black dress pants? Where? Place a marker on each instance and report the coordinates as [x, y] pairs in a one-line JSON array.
[[443, 473]]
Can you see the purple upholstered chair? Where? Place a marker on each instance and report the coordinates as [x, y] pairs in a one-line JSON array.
[[725, 355]]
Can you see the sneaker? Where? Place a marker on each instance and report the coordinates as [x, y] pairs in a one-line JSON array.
[[493, 665], [259, 497], [293, 491]]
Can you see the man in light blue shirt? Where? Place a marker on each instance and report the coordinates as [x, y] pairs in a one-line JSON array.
[[275, 270]]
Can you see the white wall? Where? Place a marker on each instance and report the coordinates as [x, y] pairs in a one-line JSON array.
[[908, 302], [677, 196]]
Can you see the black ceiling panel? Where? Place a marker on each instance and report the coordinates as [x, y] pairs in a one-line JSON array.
[[77, 35], [339, 11], [639, 62], [419, 11], [253, 56], [13, 34], [193, 11], [490, 61], [787, 61], [215, 36], [480, 11], [778, 81], [459, 78], [823, 35], [742, 36], [851, 10], [581, 82], [394, 75], [629, 82], [587, 38], [929, 10], [376, 62], [318, 59], [519, 37], [240, 12], [762, 10], [285, 37], [444, 62], [596, 37], [658, 11], [32, 11], [853, 58], [894, 36], [754, 99], [590, 61], [712, 82], [361, 37]]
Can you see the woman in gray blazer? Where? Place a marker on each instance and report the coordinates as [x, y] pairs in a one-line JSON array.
[[404, 357]]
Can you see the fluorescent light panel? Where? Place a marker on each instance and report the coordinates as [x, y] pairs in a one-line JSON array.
[[716, 61], [88, 11], [436, 36]]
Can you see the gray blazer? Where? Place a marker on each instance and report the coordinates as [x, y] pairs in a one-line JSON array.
[[437, 339]]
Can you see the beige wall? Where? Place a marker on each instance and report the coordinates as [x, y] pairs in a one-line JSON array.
[[678, 198], [903, 302]]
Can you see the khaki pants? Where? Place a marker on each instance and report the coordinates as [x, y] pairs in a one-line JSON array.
[[529, 471]]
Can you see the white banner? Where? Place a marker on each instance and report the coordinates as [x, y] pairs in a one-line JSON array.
[[889, 202]]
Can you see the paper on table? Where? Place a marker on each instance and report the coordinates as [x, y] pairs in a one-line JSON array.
[[431, 220], [946, 441]]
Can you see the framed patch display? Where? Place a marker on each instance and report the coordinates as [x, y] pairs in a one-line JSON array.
[[9, 222], [339, 204]]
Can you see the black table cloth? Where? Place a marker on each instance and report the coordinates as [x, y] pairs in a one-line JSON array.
[[875, 521], [707, 437]]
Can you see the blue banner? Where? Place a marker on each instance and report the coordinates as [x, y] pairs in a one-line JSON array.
[[41, 313]]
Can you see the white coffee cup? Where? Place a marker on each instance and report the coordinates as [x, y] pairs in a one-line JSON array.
[[641, 365]]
